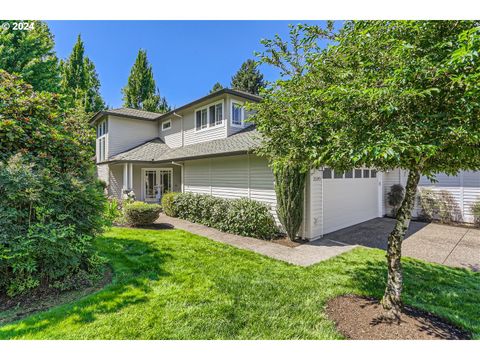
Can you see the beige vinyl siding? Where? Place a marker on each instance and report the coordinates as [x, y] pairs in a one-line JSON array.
[[192, 136], [116, 181], [103, 173], [173, 136], [124, 133], [231, 177]]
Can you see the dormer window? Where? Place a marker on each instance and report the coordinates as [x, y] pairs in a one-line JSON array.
[[237, 114], [209, 116], [102, 130], [166, 125]]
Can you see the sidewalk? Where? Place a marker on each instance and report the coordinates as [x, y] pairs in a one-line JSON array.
[[303, 255]]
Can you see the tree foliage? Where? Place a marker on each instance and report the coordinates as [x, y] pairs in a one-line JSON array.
[[386, 94], [248, 78], [30, 54], [50, 200], [80, 81], [216, 87], [141, 91]]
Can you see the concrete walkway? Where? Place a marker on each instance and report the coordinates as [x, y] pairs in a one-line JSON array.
[[303, 255], [443, 244]]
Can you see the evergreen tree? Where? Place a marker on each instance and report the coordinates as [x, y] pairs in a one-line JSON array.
[[80, 81], [248, 78], [216, 87], [30, 54], [141, 91]]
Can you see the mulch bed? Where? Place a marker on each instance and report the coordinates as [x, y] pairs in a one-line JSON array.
[[285, 241], [43, 298], [360, 318]]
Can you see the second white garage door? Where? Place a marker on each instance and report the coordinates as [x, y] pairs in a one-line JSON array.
[[349, 198]]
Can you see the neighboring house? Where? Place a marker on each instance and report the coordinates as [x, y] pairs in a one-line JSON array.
[[207, 147]]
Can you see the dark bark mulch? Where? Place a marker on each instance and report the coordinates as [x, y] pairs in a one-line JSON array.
[[360, 318], [44, 298]]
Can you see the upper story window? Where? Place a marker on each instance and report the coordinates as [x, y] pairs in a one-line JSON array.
[[167, 125], [209, 116], [102, 130], [237, 114]]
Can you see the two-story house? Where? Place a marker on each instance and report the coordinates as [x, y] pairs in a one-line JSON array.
[[206, 146]]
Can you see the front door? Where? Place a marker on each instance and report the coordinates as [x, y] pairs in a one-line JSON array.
[[156, 183]]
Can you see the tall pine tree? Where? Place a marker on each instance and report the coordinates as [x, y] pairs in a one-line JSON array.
[[30, 54], [141, 91], [80, 81], [248, 78]]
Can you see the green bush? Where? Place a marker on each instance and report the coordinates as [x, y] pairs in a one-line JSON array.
[[48, 223], [395, 197], [439, 205], [140, 213], [241, 216], [167, 203], [476, 213]]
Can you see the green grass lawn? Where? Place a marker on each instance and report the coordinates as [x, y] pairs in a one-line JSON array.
[[171, 284]]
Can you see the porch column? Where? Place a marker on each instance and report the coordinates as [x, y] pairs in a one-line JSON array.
[[125, 176], [130, 176]]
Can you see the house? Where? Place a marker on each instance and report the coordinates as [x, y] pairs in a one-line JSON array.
[[207, 147]]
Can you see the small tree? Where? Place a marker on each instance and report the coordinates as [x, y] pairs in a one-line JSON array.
[[141, 91], [395, 197], [388, 94], [216, 87], [248, 78]]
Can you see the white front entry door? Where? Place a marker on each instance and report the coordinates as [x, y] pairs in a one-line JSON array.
[[156, 182]]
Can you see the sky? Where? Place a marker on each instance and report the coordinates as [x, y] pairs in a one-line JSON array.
[[188, 57]]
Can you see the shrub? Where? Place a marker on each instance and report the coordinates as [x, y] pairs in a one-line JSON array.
[[476, 213], [113, 213], [167, 204], [289, 190], [439, 205], [395, 197], [48, 224], [140, 213], [241, 216]]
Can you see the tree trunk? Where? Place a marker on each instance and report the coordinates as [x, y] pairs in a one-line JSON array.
[[391, 299]]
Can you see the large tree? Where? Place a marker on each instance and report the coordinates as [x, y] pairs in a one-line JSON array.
[[80, 81], [248, 78], [141, 91], [388, 94], [30, 54]]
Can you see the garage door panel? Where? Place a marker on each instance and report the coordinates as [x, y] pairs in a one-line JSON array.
[[348, 202]]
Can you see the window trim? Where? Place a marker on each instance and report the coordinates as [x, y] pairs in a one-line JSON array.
[[102, 131], [207, 107], [242, 114], [169, 122]]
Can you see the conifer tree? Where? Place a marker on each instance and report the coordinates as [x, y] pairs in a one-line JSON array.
[[216, 87], [248, 78], [80, 81], [141, 91]]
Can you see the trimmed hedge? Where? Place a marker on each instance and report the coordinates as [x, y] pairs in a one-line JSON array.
[[139, 213], [240, 216]]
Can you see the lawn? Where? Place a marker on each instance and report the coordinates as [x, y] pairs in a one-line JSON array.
[[171, 284]]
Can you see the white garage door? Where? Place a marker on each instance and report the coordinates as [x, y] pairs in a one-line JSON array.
[[349, 198]]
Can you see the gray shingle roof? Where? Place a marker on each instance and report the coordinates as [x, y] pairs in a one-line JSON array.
[[148, 115], [156, 150]]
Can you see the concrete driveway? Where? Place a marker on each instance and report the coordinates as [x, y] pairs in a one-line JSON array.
[[449, 245]]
